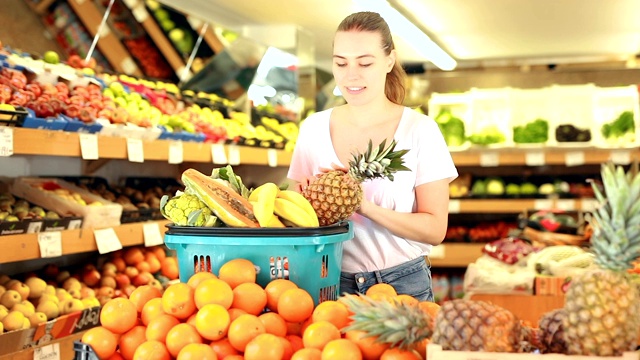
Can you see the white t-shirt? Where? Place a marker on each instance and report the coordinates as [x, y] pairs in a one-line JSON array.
[[373, 246]]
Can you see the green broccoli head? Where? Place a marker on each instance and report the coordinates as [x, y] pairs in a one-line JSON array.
[[187, 210]]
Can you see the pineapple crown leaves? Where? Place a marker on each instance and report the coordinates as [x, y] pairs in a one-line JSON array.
[[394, 323], [616, 229], [377, 162]]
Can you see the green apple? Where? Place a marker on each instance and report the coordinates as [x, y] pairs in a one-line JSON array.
[[51, 57]]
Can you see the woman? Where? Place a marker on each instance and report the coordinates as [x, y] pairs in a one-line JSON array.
[[399, 221]]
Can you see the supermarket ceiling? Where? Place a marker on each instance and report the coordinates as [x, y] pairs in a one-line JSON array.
[[475, 32]]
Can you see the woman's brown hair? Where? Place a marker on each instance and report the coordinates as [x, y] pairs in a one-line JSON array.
[[371, 21]]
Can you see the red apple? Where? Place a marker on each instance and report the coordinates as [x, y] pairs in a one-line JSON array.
[[91, 277], [122, 280], [131, 272], [109, 281]]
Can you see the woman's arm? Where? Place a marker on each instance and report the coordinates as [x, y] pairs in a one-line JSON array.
[[427, 225]]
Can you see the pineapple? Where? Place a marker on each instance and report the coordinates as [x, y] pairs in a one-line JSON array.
[[336, 195], [603, 305], [552, 332]]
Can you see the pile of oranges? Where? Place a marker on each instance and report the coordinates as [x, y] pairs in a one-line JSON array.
[[229, 316]]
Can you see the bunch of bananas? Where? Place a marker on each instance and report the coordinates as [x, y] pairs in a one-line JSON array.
[[273, 207]]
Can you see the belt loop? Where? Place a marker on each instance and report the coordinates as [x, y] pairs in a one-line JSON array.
[[428, 259], [378, 277]]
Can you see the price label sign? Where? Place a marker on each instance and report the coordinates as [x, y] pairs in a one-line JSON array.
[[176, 152], [152, 235], [107, 240], [47, 352], [534, 158], [543, 204], [140, 13], [234, 155], [50, 244], [135, 150], [566, 204], [490, 159], [588, 205], [454, 206], [6, 141], [437, 252], [574, 158], [89, 146], [272, 157], [218, 155], [621, 157]]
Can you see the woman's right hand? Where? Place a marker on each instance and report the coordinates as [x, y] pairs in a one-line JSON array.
[[299, 187]]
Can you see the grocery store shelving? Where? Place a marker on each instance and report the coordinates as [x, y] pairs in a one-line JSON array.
[[526, 307], [109, 44], [59, 143], [40, 7], [65, 347], [25, 247], [455, 254], [512, 206]]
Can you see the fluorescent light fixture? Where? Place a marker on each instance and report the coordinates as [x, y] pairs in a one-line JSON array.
[[405, 29]]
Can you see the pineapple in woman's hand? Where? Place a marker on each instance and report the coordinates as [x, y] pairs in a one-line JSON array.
[[336, 195]]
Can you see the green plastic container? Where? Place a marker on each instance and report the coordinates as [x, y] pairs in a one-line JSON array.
[[310, 257]]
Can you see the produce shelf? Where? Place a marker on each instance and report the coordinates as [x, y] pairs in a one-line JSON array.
[[162, 42], [59, 143], [525, 307], [514, 206], [25, 246], [65, 344], [455, 254], [109, 44]]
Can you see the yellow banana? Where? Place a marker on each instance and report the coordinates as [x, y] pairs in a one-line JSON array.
[[275, 222], [263, 202], [298, 199], [288, 210]]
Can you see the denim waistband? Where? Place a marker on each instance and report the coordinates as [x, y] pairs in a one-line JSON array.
[[393, 269]]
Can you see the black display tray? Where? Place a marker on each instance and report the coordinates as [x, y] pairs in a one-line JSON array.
[[338, 228]]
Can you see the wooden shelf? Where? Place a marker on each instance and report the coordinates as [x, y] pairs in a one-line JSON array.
[[41, 6], [25, 246], [109, 45], [66, 349], [60, 143], [526, 307], [455, 254], [514, 206]]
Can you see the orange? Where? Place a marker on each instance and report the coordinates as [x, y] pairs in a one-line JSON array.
[[192, 319], [234, 313], [341, 349], [143, 266], [153, 261], [133, 255], [223, 348], [295, 305], [381, 288], [307, 354], [119, 315], [421, 347], [158, 251], [371, 350], [198, 277], [213, 291], [119, 263], [287, 347], [102, 341], [407, 299], [295, 341], [244, 329], [429, 307], [249, 297], [130, 341], [318, 334], [234, 357], [142, 294], [152, 350], [158, 328], [399, 354], [169, 268], [274, 289], [151, 310], [274, 323], [237, 271], [264, 347], [212, 322], [295, 328], [115, 356], [180, 336], [332, 311], [197, 352], [177, 300]]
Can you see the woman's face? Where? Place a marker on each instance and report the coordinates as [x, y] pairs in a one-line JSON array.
[[360, 66]]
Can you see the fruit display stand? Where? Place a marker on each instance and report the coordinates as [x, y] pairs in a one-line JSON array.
[[527, 308], [58, 349], [435, 352]]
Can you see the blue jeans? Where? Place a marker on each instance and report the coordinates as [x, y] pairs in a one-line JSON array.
[[411, 278]]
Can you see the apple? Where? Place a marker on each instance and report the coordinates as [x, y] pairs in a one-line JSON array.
[[142, 279], [109, 281], [87, 114], [105, 291], [51, 57], [122, 280], [120, 116], [131, 272], [43, 109], [34, 88], [91, 277], [72, 110]]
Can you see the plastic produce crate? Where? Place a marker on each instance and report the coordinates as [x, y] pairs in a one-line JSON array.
[[310, 257], [13, 118], [84, 351]]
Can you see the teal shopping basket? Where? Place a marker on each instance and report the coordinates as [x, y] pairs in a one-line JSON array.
[[310, 257]]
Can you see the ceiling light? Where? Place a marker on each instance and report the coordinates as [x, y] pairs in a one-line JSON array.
[[410, 33]]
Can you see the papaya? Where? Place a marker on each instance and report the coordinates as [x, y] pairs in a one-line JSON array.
[[229, 206]]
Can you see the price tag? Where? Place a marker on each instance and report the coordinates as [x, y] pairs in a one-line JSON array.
[[104, 31], [107, 240], [566, 204], [50, 244], [140, 13], [34, 227], [152, 235], [176, 152], [588, 205], [437, 252], [490, 159], [80, 2], [135, 150], [128, 66], [6, 141], [454, 206], [574, 158], [272, 157], [89, 146], [195, 22], [47, 352], [234, 155], [542, 204], [218, 154], [131, 3], [534, 158], [621, 157]]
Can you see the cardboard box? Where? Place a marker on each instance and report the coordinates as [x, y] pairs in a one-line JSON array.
[[435, 352], [103, 216], [551, 285], [48, 332]]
